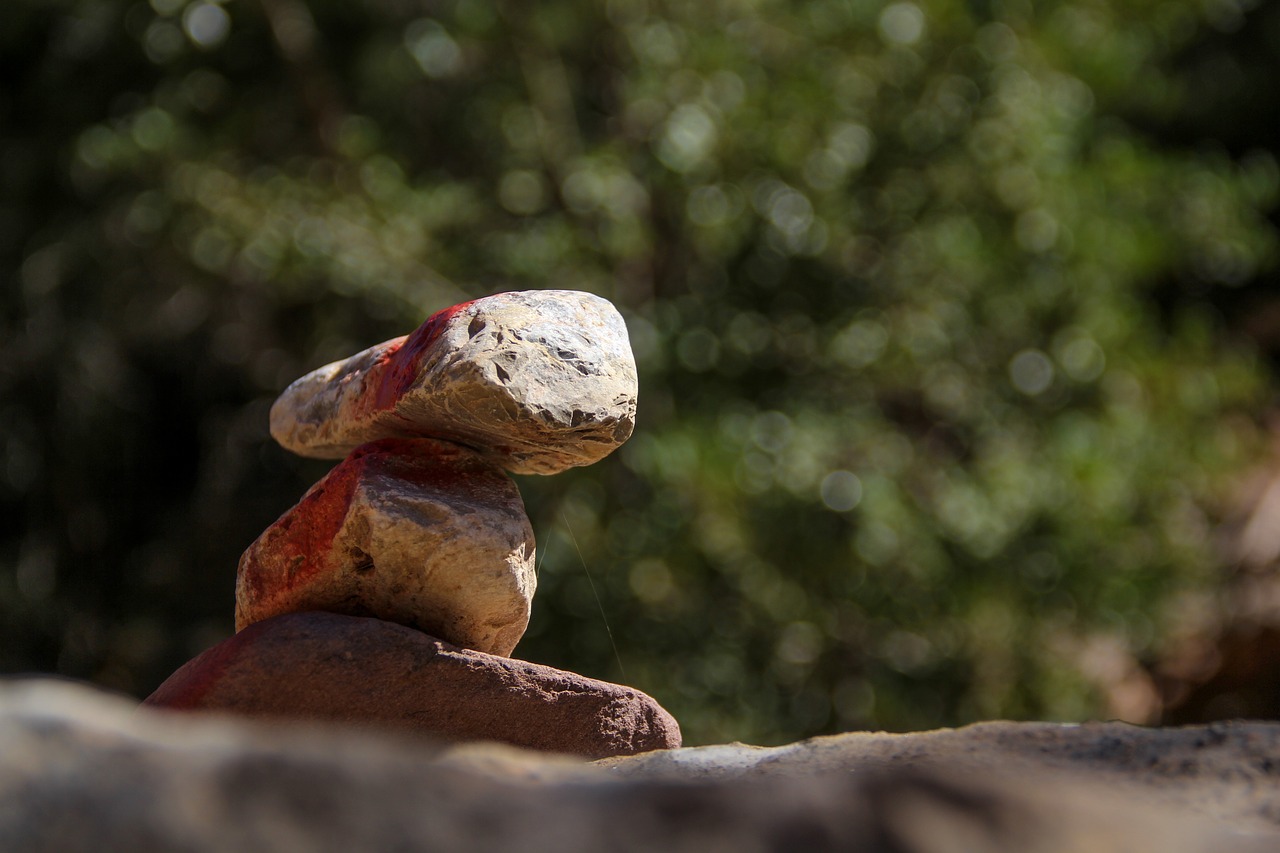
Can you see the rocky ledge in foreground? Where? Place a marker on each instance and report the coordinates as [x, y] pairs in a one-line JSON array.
[[80, 771]]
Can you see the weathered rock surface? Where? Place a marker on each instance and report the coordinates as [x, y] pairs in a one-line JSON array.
[[322, 666], [1215, 770], [82, 772], [416, 531], [539, 381]]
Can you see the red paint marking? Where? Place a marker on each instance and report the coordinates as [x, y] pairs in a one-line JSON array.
[[365, 402], [295, 547], [299, 545], [392, 347], [397, 369]]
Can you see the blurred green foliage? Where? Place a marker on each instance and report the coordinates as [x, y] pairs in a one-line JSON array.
[[936, 391]]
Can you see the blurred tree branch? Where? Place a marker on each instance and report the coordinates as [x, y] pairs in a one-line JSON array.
[[296, 36], [551, 94]]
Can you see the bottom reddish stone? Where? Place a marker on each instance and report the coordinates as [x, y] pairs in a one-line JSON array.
[[324, 666]]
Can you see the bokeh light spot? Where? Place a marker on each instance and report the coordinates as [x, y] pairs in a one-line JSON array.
[[698, 350], [687, 139], [902, 23], [841, 490], [435, 51], [1031, 372], [522, 192], [800, 644], [1082, 359], [206, 24]]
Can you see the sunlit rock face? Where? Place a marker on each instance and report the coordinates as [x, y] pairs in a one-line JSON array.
[[86, 772], [391, 594], [415, 531], [536, 381]]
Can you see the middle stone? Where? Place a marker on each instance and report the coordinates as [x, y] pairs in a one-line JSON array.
[[416, 531]]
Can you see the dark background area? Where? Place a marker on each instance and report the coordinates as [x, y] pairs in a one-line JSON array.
[[957, 330]]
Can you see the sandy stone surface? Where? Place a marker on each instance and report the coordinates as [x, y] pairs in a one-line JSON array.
[[83, 772], [416, 531], [322, 666], [1231, 769], [538, 381]]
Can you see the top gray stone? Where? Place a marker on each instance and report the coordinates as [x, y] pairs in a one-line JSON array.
[[537, 381]]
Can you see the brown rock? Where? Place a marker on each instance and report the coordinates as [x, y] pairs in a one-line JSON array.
[[416, 531], [322, 666], [539, 381]]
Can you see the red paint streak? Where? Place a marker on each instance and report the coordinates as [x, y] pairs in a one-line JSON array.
[[365, 401], [297, 546], [399, 366]]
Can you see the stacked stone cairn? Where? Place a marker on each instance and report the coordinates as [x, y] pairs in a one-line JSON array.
[[394, 592]]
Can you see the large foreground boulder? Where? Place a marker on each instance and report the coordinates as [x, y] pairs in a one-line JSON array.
[[82, 772]]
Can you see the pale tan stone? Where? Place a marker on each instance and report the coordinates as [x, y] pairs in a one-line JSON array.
[[537, 381], [415, 531]]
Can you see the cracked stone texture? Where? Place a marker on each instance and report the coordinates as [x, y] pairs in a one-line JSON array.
[[416, 531], [537, 381], [322, 666], [80, 771]]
